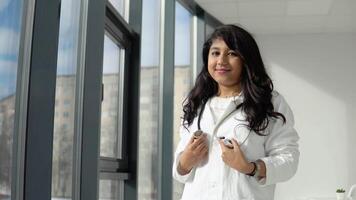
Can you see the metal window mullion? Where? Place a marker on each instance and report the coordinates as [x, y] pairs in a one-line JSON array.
[[41, 101], [20, 121], [132, 81], [79, 98], [166, 88], [90, 149]]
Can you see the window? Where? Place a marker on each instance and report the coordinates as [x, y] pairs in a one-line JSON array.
[[66, 114], [121, 6], [149, 86], [115, 106], [111, 130], [182, 75], [10, 28], [109, 190], [67, 102], [63, 135], [45, 89]]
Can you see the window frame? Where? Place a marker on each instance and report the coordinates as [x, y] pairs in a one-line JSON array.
[[41, 99], [127, 35], [21, 104], [87, 165], [122, 34]]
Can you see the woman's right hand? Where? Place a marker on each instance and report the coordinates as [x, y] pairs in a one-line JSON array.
[[194, 153]]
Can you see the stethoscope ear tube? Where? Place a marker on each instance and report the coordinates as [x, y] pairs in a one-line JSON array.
[[200, 114]]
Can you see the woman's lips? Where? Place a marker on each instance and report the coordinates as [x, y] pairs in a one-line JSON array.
[[222, 70]]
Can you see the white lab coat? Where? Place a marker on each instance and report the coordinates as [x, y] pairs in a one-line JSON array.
[[214, 180]]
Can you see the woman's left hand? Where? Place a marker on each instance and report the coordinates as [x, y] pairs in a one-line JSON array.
[[235, 158]]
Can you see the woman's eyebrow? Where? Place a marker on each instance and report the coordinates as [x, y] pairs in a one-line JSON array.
[[223, 49], [214, 48]]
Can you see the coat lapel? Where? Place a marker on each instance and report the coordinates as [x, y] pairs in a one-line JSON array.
[[231, 108]]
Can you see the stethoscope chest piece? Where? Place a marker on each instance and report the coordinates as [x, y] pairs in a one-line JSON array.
[[198, 133]]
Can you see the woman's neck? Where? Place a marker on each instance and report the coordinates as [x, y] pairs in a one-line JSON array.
[[228, 91]]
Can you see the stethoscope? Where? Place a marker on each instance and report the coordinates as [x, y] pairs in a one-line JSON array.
[[226, 141]]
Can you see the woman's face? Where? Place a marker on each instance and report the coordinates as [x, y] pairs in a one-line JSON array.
[[224, 65]]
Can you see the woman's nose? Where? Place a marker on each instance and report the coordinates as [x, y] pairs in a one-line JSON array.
[[222, 59]]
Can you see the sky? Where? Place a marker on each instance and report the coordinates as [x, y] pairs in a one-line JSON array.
[[9, 45], [10, 23]]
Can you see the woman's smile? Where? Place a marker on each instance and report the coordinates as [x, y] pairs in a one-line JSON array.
[[224, 65], [222, 71]]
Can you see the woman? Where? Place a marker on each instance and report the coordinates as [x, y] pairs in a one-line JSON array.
[[237, 136]]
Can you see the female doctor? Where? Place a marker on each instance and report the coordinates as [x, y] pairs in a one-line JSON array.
[[237, 136]]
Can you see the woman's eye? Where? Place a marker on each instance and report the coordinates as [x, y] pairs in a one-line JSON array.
[[232, 53], [214, 53]]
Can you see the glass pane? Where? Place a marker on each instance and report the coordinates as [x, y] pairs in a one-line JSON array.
[[110, 190], [10, 27], [65, 101], [121, 6], [182, 75], [110, 109], [149, 90]]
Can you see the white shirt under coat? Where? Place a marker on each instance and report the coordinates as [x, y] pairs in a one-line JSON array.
[[214, 180]]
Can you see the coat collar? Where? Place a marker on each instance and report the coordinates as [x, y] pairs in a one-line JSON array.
[[229, 110]]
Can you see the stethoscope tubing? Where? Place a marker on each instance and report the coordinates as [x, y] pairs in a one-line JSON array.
[[199, 131], [203, 108]]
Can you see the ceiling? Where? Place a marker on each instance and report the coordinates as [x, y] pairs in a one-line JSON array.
[[285, 16]]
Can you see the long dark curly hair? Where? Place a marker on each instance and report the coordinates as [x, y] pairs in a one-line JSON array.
[[256, 85]]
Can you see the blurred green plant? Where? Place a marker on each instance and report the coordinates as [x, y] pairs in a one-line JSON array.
[[340, 190]]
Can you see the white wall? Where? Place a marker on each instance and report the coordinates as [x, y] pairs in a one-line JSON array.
[[317, 76]]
